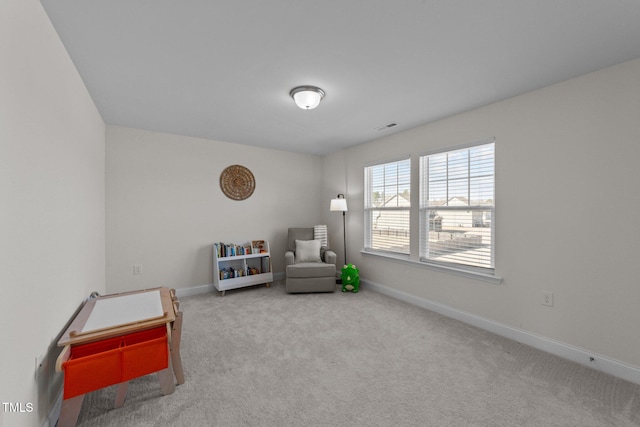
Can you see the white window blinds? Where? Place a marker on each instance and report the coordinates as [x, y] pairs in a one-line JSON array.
[[457, 207], [387, 206]]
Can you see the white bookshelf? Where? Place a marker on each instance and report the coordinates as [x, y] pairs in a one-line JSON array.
[[237, 265]]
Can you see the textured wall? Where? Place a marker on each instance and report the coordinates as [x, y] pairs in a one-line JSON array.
[[52, 202], [165, 207], [566, 211]]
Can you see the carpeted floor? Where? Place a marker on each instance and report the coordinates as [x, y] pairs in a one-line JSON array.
[[261, 357]]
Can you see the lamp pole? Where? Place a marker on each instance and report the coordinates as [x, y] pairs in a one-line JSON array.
[[344, 228], [340, 204]]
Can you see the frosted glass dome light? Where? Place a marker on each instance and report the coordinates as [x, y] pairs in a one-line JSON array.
[[307, 97]]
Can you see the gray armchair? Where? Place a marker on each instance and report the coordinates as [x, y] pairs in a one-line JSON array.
[[306, 269]]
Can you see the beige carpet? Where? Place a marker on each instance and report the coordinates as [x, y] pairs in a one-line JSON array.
[[261, 357]]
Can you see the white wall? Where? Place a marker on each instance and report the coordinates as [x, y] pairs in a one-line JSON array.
[[52, 202], [334, 183], [567, 204], [165, 207]]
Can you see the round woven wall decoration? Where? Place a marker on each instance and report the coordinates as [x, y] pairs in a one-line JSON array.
[[237, 182]]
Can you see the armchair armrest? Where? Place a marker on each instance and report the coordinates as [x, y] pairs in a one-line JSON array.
[[330, 257], [289, 258]]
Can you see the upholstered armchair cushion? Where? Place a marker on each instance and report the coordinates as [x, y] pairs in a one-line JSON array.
[[311, 270], [307, 251], [309, 267]]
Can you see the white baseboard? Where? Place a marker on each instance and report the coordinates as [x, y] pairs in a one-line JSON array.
[[566, 351], [203, 289], [194, 290], [584, 357]]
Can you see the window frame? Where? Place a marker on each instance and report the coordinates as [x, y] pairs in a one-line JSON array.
[[424, 207], [413, 258], [368, 208]]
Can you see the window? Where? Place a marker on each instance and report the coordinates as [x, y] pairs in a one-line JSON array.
[[388, 207], [457, 207]]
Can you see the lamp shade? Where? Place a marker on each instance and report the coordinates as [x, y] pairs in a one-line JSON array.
[[307, 97], [338, 205]]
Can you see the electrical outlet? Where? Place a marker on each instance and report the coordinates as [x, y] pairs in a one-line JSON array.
[[137, 269], [547, 298], [39, 362]]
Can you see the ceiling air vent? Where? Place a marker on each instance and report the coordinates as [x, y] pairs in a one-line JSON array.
[[387, 126]]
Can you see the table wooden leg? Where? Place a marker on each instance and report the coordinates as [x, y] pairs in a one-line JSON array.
[[69, 411], [165, 376], [121, 394], [176, 358]]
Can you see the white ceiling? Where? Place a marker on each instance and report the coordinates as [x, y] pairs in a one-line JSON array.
[[223, 69]]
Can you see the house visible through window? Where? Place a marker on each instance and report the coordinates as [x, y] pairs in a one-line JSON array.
[[388, 207], [457, 207]]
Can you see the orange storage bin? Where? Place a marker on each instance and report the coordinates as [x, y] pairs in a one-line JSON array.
[[92, 366], [144, 352], [111, 361]]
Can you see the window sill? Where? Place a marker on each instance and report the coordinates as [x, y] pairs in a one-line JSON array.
[[444, 269]]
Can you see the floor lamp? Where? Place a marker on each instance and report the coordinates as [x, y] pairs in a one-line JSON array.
[[340, 204]]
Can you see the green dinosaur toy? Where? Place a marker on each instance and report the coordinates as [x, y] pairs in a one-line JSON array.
[[350, 278]]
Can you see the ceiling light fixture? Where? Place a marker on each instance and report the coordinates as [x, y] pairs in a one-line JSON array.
[[307, 97]]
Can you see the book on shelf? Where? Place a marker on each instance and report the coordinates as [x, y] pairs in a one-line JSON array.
[[232, 273], [260, 246], [224, 250]]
